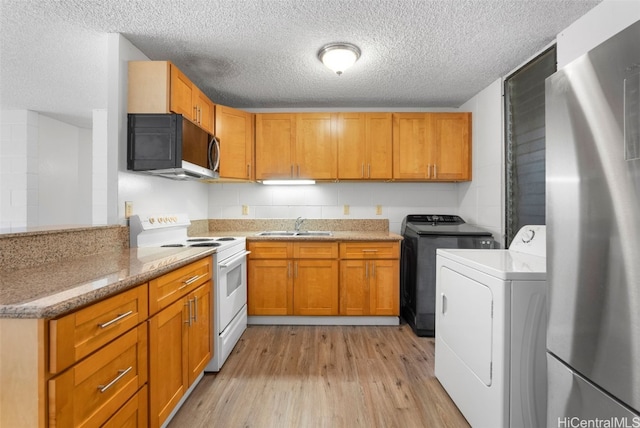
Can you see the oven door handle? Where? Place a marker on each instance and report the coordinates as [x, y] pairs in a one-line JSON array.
[[231, 262]]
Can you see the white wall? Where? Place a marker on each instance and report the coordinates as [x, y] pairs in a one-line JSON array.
[[327, 200], [18, 168], [481, 201], [64, 193]]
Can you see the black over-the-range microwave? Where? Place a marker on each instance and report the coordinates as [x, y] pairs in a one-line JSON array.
[[170, 145]]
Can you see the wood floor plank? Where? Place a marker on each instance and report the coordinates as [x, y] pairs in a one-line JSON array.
[[323, 376]]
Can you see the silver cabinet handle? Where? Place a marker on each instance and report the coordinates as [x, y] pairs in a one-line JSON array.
[[248, 170], [116, 319], [444, 303], [195, 309], [435, 171], [373, 269], [190, 281], [366, 270], [121, 374], [188, 305], [369, 171], [369, 250]]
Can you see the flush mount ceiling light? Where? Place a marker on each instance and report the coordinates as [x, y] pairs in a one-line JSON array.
[[339, 56]]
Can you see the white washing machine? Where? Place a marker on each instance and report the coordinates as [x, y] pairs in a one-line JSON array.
[[491, 331]]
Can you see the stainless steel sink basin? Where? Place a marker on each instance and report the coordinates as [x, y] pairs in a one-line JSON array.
[[276, 233], [314, 233], [293, 233]]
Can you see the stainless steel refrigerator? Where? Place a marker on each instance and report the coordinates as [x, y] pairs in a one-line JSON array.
[[593, 236]]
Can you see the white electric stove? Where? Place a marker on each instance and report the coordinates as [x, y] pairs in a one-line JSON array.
[[229, 276]]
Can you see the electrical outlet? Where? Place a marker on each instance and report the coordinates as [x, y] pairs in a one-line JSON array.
[[245, 210], [378, 209], [128, 209], [346, 210]]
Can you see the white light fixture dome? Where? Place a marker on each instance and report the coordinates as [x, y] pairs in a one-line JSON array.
[[339, 56]]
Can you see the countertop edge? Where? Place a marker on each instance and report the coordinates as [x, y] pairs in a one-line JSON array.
[[30, 310]]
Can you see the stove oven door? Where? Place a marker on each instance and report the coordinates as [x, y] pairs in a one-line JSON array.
[[231, 289]]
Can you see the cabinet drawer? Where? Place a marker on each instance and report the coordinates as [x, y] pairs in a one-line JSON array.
[[168, 288], [370, 250], [315, 250], [95, 388], [270, 250], [134, 414], [80, 333]]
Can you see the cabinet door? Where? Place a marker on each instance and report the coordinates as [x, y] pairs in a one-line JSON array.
[[270, 287], [384, 287], [379, 137], [316, 148], [315, 290], [181, 98], [411, 148], [354, 293], [168, 361], [234, 130], [203, 110], [352, 152], [275, 139], [451, 133], [200, 330]]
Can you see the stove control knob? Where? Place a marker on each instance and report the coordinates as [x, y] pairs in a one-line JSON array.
[[160, 220], [152, 220]]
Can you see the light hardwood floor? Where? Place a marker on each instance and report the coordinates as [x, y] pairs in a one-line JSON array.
[[323, 376]]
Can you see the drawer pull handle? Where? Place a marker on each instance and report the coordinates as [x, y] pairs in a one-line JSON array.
[[190, 281], [373, 250], [116, 319], [121, 374]]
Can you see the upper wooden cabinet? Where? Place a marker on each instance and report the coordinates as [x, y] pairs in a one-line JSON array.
[[234, 130], [296, 145], [160, 87], [364, 146], [432, 146]]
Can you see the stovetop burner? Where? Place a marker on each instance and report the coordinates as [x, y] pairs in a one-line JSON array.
[[173, 245], [226, 238], [199, 239], [206, 244]]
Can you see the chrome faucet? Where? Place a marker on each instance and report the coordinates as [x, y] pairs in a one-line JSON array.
[[299, 222]]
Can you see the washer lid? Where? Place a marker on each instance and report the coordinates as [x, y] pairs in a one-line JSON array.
[[447, 229], [502, 264]]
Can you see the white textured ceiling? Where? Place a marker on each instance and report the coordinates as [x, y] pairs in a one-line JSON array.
[[263, 53]]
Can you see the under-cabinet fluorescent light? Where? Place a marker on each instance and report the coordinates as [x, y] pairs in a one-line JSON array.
[[287, 182]]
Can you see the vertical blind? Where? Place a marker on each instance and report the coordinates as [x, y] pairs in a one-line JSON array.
[[525, 143]]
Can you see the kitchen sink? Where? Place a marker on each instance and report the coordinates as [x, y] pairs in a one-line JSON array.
[[293, 233], [314, 233]]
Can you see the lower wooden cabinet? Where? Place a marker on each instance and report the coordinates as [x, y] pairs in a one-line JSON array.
[[306, 278], [180, 346], [370, 278], [108, 364], [293, 278]]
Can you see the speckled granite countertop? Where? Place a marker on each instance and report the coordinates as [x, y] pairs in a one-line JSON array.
[[52, 289], [47, 273]]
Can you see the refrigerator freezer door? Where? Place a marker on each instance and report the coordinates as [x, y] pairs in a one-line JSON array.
[[573, 401], [593, 217]]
